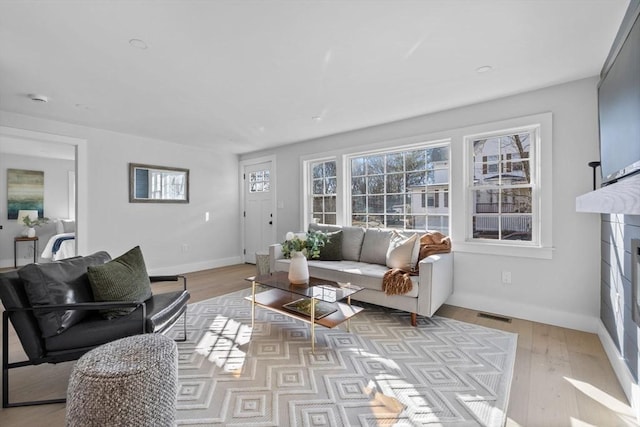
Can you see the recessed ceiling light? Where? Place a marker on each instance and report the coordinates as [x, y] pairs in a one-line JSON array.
[[38, 98], [484, 69], [138, 44]]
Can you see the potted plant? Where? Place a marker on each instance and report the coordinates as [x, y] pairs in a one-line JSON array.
[[32, 223], [308, 243], [299, 247]]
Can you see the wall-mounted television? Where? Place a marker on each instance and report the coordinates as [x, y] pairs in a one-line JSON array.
[[619, 109]]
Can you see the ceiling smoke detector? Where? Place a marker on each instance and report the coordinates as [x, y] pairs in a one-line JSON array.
[[138, 44], [484, 69], [38, 98]]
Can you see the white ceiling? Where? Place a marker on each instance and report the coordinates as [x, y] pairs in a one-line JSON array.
[[255, 74]]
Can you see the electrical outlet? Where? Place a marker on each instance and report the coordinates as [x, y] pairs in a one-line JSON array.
[[185, 247], [506, 277]]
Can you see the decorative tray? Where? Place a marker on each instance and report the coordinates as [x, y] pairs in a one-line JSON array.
[[303, 306]]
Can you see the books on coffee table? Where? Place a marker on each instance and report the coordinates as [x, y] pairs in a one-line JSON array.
[[303, 306]]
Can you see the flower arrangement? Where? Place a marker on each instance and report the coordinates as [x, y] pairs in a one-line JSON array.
[[30, 223], [308, 243]]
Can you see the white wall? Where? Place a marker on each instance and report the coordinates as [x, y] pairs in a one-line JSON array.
[[56, 191], [115, 225], [563, 290]]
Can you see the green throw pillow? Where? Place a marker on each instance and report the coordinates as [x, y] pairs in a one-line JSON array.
[[123, 279], [332, 249]]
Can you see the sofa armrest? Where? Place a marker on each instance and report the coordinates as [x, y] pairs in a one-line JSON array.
[[436, 282], [275, 252]]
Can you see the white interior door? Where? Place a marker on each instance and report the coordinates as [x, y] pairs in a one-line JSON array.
[[259, 206]]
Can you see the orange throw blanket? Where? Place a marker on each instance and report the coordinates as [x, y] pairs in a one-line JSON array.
[[397, 281]]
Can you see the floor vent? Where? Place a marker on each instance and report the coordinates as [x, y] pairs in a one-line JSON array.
[[494, 317]]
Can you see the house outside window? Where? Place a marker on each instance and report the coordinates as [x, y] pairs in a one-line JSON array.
[[405, 189], [502, 187], [323, 191]]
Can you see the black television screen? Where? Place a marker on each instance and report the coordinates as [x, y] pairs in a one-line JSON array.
[[619, 111]]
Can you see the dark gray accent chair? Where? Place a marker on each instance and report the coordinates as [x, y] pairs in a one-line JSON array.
[[88, 329]]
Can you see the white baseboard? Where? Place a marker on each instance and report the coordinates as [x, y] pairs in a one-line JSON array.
[[533, 313], [625, 378], [196, 266]]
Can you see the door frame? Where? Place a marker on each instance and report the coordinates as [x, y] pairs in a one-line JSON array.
[[273, 179], [82, 175]]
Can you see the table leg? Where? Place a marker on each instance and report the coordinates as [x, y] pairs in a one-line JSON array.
[[349, 319], [15, 254], [35, 249], [313, 325], [253, 303]]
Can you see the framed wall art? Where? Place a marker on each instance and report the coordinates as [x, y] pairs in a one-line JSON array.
[[25, 191]]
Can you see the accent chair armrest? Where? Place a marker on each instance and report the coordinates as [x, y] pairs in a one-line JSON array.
[[85, 306]]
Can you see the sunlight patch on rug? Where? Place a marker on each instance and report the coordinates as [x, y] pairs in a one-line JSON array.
[[383, 372]]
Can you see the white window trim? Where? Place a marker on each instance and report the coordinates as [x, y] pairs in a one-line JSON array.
[[534, 131], [308, 190], [457, 182], [346, 162], [307, 196], [542, 190]]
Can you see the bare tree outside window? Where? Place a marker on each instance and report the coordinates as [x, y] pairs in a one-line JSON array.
[[391, 189], [323, 191], [502, 188]]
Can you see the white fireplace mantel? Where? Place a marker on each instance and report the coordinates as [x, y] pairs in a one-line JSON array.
[[622, 197]]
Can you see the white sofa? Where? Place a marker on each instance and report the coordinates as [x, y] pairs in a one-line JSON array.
[[363, 264]]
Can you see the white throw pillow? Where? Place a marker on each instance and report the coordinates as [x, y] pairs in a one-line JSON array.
[[403, 251], [65, 226]]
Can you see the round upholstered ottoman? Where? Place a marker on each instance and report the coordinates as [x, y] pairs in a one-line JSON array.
[[129, 382]]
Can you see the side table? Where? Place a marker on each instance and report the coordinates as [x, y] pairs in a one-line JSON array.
[[24, 239]]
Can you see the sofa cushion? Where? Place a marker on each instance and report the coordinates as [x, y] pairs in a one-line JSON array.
[[352, 238], [374, 246], [401, 251], [332, 250], [59, 282], [368, 276], [65, 226], [123, 279]]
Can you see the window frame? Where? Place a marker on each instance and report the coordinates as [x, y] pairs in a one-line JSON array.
[[424, 144], [458, 177], [543, 248], [533, 185], [309, 181], [306, 217]]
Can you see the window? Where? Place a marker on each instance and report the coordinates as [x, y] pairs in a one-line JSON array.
[[323, 191], [502, 187], [259, 181], [401, 189]]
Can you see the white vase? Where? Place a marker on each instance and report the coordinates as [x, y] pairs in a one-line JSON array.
[[298, 269], [31, 232]]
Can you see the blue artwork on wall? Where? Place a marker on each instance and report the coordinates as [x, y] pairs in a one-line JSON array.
[[25, 191]]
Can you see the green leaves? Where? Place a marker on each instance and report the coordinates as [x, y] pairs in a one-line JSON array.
[[309, 244], [30, 223]]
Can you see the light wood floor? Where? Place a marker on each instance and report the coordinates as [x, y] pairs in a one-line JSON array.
[[561, 378]]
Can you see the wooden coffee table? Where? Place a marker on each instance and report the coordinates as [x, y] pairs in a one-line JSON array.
[[319, 302]]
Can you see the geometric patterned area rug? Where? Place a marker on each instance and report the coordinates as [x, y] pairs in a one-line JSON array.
[[383, 372]]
